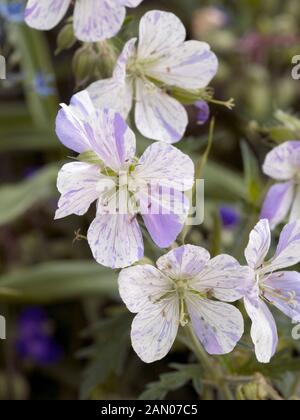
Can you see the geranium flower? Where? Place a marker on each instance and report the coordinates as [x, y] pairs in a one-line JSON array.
[[181, 290], [272, 285], [162, 60], [94, 20], [283, 198], [122, 185]]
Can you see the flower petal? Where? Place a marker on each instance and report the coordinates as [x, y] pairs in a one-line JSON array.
[[159, 32], [80, 185], [225, 278], [186, 261], [130, 3], [154, 330], [69, 122], [115, 93], [142, 284], [108, 93], [45, 14], [295, 212], [111, 138], [190, 66], [278, 203], [283, 291], [283, 162], [288, 250], [164, 165], [97, 20], [218, 326], [263, 330], [158, 116], [116, 240], [259, 244], [81, 105], [164, 212]]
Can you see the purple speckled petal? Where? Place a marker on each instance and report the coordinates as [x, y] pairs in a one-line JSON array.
[[263, 330], [159, 32], [80, 184], [164, 212], [117, 92], [282, 289], [218, 326], [163, 228], [111, 138], [45, 14], [187, 65], [259, 244], [116, 240], [81, 105], [140, 284], [224, 277], [164, 165], [186, 262], [158, 116], [69, 122], [97, 20], [283, 162], [278, 203], [190, 66], [154, 329], [288, 250]]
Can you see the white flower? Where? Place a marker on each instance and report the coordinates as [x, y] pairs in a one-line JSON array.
[[123, 186], [181, 290], [143, 74], [279, 288], [94, 20]]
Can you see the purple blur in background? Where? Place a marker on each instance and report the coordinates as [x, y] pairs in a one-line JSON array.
[[35, 340], [230, 217]]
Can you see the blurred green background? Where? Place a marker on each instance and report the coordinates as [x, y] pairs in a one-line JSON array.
[[67, 332]]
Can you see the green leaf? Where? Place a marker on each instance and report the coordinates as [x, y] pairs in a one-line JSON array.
[[58, 280], [16, 199], [252, 173], [172, 381], [109, 353], [222, 183], [36, 59]]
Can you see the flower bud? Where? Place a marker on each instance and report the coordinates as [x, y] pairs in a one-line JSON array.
[[66, 38], [83, 64]]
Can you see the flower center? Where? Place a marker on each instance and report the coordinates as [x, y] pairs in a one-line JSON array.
[[138, 67]]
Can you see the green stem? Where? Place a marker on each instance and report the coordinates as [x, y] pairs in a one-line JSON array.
[[207, 363]]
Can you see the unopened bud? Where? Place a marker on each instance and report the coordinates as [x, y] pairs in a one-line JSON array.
[[66, 38], [83, 64]]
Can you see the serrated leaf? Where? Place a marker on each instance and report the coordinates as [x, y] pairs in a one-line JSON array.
[[171, 381], [109, 352]]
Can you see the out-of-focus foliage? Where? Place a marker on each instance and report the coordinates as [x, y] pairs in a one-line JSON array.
[[47, 262]]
